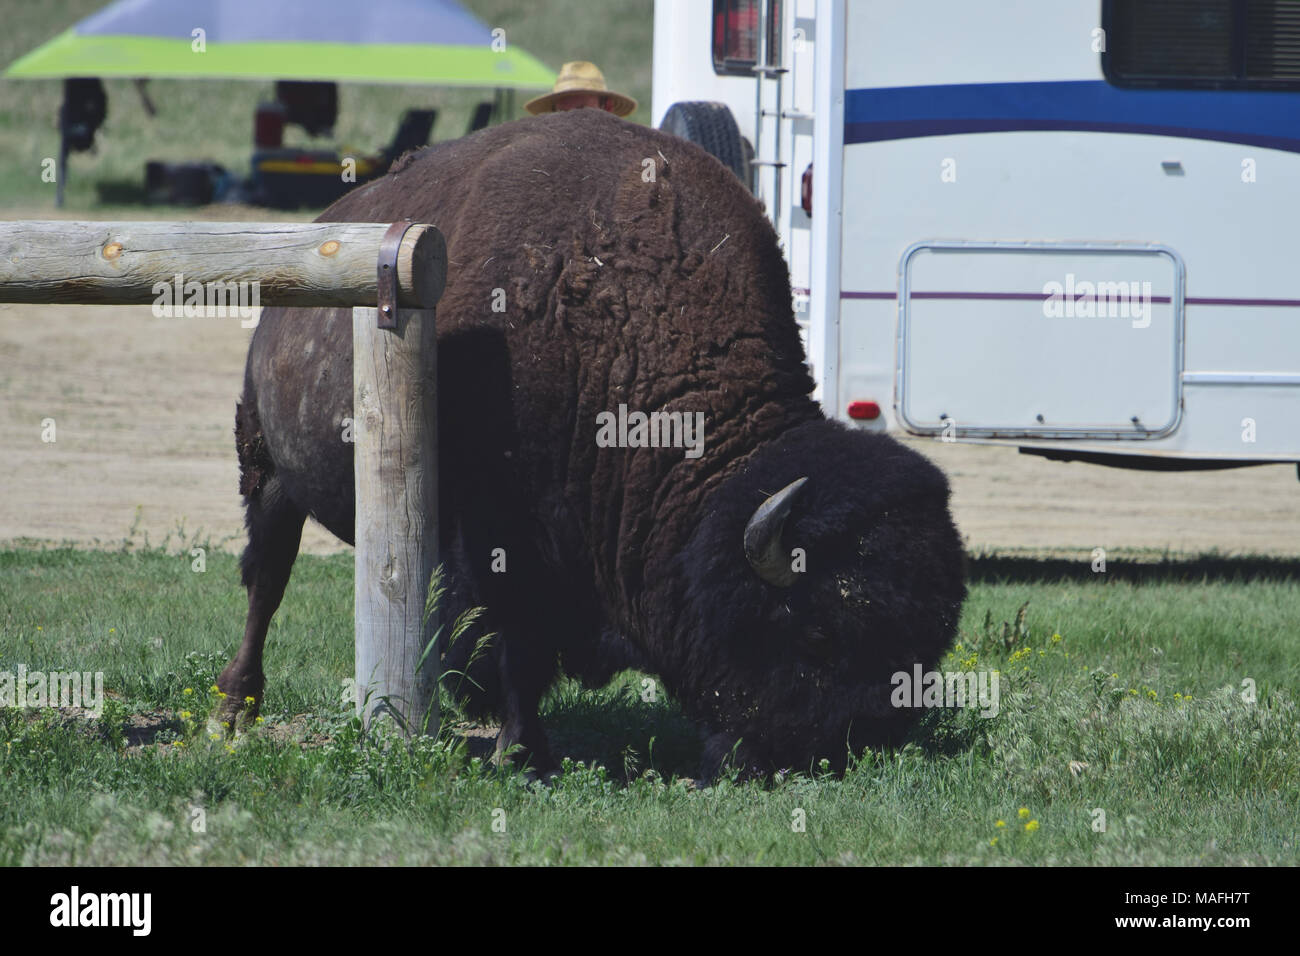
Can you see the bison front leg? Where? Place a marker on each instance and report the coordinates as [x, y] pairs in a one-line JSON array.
[[274, 532], [526, 672]]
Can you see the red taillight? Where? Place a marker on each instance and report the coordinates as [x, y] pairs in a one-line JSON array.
[[805, 190], [864, 411]]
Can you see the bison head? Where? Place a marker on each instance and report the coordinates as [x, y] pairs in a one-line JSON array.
[[827, 564]]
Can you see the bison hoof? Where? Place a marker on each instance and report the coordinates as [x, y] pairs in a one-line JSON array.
[[240, 700], [528, 751]]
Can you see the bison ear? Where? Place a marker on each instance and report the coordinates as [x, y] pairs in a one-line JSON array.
[[763, 546]]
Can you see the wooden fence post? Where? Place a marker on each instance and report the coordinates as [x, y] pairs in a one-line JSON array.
[[395, 464], [395, 417]]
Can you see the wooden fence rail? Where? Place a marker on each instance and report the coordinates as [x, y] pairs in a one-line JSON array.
[[316, 263]]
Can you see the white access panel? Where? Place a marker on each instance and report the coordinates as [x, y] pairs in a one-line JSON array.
[[1040, 340]]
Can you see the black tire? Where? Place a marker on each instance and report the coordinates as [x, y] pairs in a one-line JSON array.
[[711, 127]]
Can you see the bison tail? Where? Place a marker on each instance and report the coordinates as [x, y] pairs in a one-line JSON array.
[[255, 464]]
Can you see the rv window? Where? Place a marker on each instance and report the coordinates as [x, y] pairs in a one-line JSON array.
[[735, 35], [1225, 44]]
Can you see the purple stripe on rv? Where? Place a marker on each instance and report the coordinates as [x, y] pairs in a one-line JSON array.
[[1039, 296]]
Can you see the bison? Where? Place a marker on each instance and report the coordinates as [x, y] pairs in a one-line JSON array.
[[774, 574]]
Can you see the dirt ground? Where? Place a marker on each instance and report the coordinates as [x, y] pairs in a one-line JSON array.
[[144, 410]]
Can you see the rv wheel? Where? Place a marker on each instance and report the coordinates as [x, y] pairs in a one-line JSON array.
[[711, 127]]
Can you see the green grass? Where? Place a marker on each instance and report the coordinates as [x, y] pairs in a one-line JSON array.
[[213, 120], [1144, 686]]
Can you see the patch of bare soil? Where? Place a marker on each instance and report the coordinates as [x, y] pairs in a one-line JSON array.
[[1005, 501], [138, 730]]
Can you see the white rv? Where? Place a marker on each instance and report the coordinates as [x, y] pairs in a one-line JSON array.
[[1071, 226]]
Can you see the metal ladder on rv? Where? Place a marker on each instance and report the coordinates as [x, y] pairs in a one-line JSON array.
[[776, 76], [764, 73], [782, 84]]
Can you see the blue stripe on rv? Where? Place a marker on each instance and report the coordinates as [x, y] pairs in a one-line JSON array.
[[1257, 118]]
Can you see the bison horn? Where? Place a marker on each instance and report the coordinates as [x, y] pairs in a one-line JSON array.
[[763, 545]]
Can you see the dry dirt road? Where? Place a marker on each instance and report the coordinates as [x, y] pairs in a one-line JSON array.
[[144, 410]]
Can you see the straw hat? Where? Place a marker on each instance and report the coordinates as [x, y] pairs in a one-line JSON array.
[[580, 77]]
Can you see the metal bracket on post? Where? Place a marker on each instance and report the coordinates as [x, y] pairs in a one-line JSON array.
[[388, 249]]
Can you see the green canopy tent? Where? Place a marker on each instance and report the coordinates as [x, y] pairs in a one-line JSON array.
[[378, 41]]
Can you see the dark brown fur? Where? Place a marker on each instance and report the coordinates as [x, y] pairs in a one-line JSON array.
[[636, 270]]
